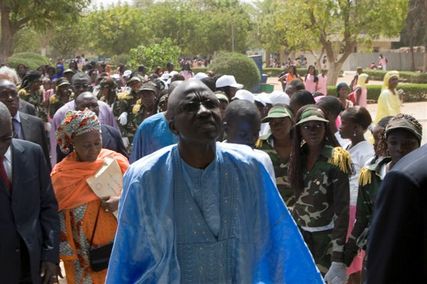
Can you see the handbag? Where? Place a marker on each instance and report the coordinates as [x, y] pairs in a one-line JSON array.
[[99, 256]]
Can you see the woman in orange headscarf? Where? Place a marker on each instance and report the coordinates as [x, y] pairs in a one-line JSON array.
[[86, 219]]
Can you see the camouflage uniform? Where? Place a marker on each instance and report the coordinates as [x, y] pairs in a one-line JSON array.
[[280, 170], [321, 209], [125, 103], [36, 99], [369, 184]]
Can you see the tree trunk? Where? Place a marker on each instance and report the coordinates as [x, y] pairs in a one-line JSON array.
[[267, 58], [7, 33], [334, 71], [411, 48], [425, 59]]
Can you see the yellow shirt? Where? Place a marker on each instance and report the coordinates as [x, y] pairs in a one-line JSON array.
[[388, 104]]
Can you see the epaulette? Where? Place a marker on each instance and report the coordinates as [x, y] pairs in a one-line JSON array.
[[136, 107], [341, 159], [53, 99], [124, 96], [23, 93], [365, 176]]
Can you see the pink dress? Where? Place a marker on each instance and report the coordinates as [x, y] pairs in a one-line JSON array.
[[322, 85], [310, 85]]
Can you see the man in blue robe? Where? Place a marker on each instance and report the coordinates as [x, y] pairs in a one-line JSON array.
[[204, 212], [152, 134]]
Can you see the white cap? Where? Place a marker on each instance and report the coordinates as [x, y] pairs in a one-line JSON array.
[[115, 76], [279, 98], [244, 95], [127, 73], [227, 80], [165, 76], [200, 76], [263, 98]]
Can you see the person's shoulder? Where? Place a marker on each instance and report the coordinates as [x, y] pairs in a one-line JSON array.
[[60, 113], [339, 158], [152, 162], [23, 145], [103, 105], [238, 153], [160, 116], [32, 118], [412, 165]]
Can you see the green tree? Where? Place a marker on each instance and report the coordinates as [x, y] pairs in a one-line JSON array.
[[338, 26], [18, 14], [154, 55], [116, 30], [240, 66], [414, 32]]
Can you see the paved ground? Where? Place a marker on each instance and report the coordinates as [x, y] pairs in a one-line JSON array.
[[418, 109]]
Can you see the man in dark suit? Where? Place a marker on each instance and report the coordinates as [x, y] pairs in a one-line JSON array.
[[111, 137], [29, 223], [26, 107], [397, 243], [24, 126]]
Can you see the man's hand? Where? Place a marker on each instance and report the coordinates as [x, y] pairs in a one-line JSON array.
[[110, 203], [123, 118], [337, 273], [49, 272]]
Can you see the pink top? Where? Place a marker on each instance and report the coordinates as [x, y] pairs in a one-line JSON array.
[[310, 85], [363, 100], [322, 85]]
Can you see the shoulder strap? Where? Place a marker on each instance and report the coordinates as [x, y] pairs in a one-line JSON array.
[[94, 227]]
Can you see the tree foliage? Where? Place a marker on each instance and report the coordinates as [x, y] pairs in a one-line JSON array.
[[154, 55], [40, 15], [242, 67], [116, 30], [337, 26]]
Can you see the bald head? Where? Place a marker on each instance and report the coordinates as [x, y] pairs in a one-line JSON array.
[[183, 89], [87, 100]]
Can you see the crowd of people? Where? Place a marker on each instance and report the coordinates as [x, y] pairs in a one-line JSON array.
[[219, 184]]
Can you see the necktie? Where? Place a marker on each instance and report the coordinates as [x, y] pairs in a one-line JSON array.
[[17, 132], [3, 176]]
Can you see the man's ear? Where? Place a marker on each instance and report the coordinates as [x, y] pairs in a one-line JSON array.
[[172, 127], [225, 126]]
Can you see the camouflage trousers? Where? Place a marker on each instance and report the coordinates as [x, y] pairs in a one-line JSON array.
[[320, 246]]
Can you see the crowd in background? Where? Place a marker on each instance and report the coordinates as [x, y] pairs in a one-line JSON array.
[[326, 154]]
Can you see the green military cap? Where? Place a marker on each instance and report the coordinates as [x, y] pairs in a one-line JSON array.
[[149, 86], [406, 122], [312, 113], [277, 111]]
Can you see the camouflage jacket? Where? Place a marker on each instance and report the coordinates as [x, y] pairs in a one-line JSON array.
[[369, 184], [323, 204], [280, 170], [36, 99]]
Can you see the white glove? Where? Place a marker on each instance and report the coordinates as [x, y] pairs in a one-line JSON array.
[[337, 273], [123, 118]]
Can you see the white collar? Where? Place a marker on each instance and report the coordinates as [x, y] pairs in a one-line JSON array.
[[17, 117], [8, 155]]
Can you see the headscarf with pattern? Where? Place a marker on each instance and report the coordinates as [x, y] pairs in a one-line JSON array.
[[74, 124]]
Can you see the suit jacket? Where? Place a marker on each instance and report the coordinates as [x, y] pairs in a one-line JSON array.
[[34, 131], [26, 107], [111, 140], [28, 213], [397, 241]]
